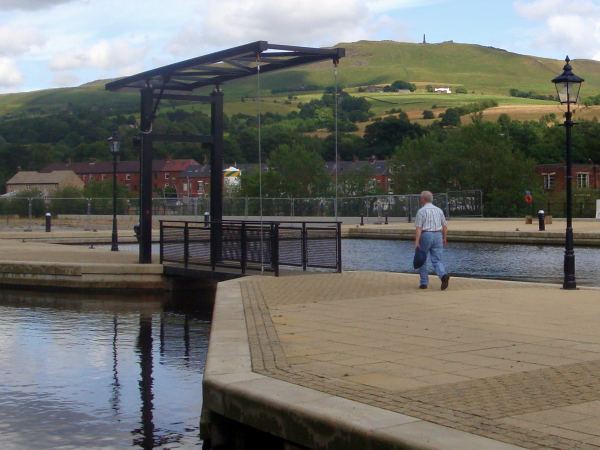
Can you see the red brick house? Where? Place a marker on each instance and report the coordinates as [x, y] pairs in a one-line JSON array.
[[196, 179], [165, 173], [552, 176]]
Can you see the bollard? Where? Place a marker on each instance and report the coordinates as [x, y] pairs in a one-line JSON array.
[[362, 220], [48, 222], [541, 217], [206, 219], [386, 219]]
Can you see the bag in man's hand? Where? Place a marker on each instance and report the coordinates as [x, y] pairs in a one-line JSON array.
[[420, 258]]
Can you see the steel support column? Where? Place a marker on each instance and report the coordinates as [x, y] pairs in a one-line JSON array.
[[216, 174], [146, 153]]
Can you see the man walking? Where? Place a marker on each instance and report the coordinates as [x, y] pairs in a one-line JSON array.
[[430, 237]]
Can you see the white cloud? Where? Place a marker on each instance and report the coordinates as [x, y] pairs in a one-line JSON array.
[[114, 55], [574, 30], [223, 23], [10, 75], [17, 40]]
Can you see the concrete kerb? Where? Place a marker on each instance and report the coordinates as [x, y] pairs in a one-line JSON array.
[[300, 415], [81, 275]]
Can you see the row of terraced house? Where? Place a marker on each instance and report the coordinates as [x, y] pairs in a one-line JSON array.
[[186, 177]]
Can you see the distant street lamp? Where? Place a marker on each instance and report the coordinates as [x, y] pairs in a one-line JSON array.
[[114, 146], [567, 87]]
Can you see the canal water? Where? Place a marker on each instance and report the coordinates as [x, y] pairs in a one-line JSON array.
[[82, 371], [85, 371], [498, 261]]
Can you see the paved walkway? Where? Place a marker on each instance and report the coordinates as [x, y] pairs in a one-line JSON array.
[[16, 250], [515, 362]]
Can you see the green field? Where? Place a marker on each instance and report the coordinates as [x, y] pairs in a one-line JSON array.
[[486, 73]]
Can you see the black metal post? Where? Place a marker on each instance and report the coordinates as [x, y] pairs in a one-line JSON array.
[[115, 240], [244, 248], [216, 175], [409, 210], [305, 246], [339, 246], [275, 248], [162, 242], [146, 112], [569, 265], [186, 245]]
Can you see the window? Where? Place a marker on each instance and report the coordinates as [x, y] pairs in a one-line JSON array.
[[583, 179], [549, 181], [128, 176], [103, 176], [185, 187], [166, 176]]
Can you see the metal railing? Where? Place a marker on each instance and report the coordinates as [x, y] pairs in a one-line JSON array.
[[252, 245]]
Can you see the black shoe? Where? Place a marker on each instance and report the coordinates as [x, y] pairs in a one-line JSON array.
[[445, 281], [423, 286]]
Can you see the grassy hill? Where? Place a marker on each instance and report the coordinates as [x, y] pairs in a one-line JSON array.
[[484, 71]]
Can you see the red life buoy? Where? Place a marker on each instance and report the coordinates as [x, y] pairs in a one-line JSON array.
[[528, 199]]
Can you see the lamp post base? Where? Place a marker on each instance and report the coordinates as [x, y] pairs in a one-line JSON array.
[[569, 278]]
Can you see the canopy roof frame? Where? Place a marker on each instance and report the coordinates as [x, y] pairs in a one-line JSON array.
[[223, 66], [177, 82]]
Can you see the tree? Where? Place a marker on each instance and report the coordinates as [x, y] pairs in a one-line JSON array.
[[475, 156], [67, 200], [400, 85], [358, 182], [428, 114], [383, 135], [461, 90], [451, 118], [294, 171]]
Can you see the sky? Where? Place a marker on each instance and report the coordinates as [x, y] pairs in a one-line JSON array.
[[58, 43]]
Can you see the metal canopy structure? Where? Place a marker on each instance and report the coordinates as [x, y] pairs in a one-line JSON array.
[[177, 82]]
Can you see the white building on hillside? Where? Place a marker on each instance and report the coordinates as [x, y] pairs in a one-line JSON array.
[[443, 90]]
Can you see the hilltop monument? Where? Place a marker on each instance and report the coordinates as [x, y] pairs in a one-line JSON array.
[[424, 40]]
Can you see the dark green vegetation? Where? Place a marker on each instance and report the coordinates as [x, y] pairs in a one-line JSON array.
[[72, 124]]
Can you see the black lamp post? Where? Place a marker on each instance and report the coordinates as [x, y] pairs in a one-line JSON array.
[[567, 87], [115, 146]]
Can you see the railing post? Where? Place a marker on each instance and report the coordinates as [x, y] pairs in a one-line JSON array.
[[186, 245], [339, 247], [275, 248], [244, 249], [304, 247], [161, 241], [409, 209]]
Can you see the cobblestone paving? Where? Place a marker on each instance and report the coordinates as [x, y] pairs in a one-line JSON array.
[[515, 362]]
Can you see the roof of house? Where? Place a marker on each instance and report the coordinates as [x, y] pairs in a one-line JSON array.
[[31, 177], [92, 167]]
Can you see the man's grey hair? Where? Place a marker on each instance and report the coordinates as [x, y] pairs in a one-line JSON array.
[[427, 196]]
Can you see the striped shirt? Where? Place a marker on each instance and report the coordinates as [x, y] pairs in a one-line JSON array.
[[430, 218]]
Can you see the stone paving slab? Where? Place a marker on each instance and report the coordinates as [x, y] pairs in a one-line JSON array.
[[514, 362]]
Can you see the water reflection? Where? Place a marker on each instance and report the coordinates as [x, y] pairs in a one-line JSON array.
[[144, 350], [81, 372]]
